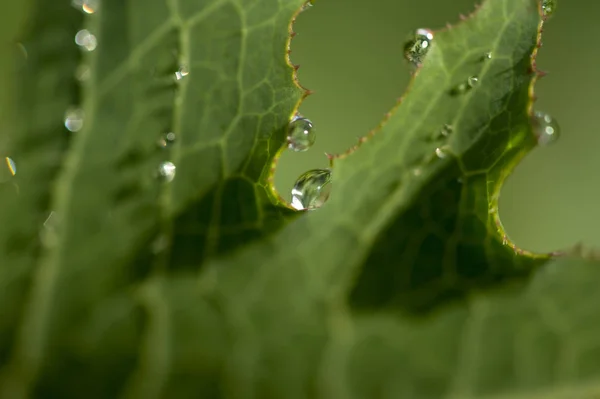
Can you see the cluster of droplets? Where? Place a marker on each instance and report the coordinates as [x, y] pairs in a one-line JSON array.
[[545, 128]]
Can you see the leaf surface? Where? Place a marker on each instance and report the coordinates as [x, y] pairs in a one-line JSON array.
[[402, 285]]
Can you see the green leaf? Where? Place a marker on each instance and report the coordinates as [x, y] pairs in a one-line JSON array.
[[119, 283]]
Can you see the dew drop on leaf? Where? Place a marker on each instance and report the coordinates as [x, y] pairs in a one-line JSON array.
[[545, 127], [312, 189], [8, 170], [182, 72], [301, 134], [416, 48], [487, 56], [86, 40], [74, 119], [441, 152], [446, 130], [87, 6], [548, 7], [472, 81], [166, 171], [166, 140]]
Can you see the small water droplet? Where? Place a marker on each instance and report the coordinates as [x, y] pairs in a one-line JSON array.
[[8, 170], [86, 40], [446, 130], [487, 56], [464, 87], [417, 171], [301, 134], [416, 49], [312, 189], [166, 140], [182, 72], [307, 5], [442, 152], [87, 6], [74, 119], [545, 127], [548, 7], [166, 171]]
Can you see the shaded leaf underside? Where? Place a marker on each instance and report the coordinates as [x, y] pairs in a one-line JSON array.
[[112, 302]]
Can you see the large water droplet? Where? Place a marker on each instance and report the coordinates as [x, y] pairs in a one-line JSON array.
[[312, 189], [87, 6], [301, 134], [74, 119], [166, 140], [182, 72], [548, 7], [545, 127], [416, 49], [86, 40], [166, 171]]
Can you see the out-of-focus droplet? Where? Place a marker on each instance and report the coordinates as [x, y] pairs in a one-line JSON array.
[[442, 152], [446, 130], [8, 170], [86, 40], [301, 134], [182, 72], [548, 7], [87, 6], [545, 127], [74, 119], [166, 140], [417, 48], [312, 189], [166, 171]]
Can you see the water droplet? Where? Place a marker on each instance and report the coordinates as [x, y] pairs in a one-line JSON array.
[[182, 72], [312, 189], [166, 171], [446, 130], [166, 140], [487, 56], [74, 119], [416, 49], [8, 170], [301, 134], [442, 152], [545, 127], [307, 5], [548, 7], [86, 40], [464, 87], [87, 6]]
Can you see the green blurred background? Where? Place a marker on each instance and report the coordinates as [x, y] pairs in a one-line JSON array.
[[350, 52]]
